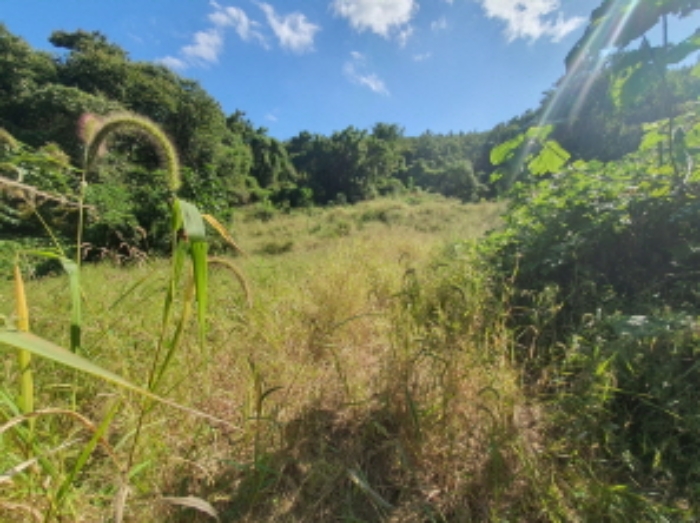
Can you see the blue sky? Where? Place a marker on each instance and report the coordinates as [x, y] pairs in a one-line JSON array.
[[322, 65]]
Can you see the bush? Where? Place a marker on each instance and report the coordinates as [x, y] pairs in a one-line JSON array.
[[601, 237], [599, 264]]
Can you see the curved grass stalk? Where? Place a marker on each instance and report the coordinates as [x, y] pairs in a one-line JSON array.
[[95, 132], [134, 123], [216, 224], [239, 276]]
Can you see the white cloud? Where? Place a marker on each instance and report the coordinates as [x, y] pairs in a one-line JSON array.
[[271, 117], [355, 70], [421, 57], [206, 46], [172, 62], [246, 28], [532, 19], [293, 31], [379, 16], [439, 24]]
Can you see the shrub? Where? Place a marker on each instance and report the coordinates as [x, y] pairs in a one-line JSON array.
[[599, 263]]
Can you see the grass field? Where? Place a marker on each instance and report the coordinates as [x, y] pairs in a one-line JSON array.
[[363, 376]]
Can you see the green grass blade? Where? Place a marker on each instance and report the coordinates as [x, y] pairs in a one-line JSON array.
[[76, 322], [190, 226], [26, 398], [86, 452], [200, 267], [178, 261], [177, 337], [48, 350]]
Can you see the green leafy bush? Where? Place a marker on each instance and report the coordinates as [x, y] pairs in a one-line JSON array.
[[600, 266]]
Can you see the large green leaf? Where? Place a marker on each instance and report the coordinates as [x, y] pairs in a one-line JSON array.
[[189, 221], [679, 52], [200, 267], [551, 159], [539, 132], [507, 150], [46, 349], [632, 83], [652, 138]]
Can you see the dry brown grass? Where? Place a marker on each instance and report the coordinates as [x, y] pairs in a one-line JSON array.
[[356, 389]]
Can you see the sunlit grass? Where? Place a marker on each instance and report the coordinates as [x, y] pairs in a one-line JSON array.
[[368, 379]]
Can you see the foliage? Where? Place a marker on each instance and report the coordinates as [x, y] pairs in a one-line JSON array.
[[598, 263], [532, 150], [187, 284], [228, 161]]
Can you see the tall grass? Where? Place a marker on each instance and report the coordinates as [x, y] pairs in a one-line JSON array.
[[186, 284], [370, 379], [316, 337]]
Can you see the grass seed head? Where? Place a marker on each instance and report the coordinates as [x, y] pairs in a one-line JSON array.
[[130, 123]]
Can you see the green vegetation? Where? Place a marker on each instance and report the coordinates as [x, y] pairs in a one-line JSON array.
[[228, 162], [409, 357]]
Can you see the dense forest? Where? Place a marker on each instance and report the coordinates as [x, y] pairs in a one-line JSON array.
[[228, 161]]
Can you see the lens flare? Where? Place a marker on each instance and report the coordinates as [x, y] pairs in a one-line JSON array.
[[596, 44], [584, 64]]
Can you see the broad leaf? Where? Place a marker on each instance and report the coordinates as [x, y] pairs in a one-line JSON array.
[[682, 50], [507, 150], [189, 220], [552, 159], [46, 349]]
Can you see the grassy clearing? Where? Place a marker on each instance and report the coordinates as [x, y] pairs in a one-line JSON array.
[[369, 381]]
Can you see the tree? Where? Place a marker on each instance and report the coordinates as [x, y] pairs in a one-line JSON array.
[[93, 64], [638, 77], [50, 113], [272, 166], [617, 23], [21, 68]]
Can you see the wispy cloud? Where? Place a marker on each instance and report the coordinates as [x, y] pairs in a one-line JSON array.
[[205, 48], [355, 69], [172, 62], [245, 28], [383, 17], [439, 24], [422, 57], [532, 19], [403, 35], [293, 31]]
